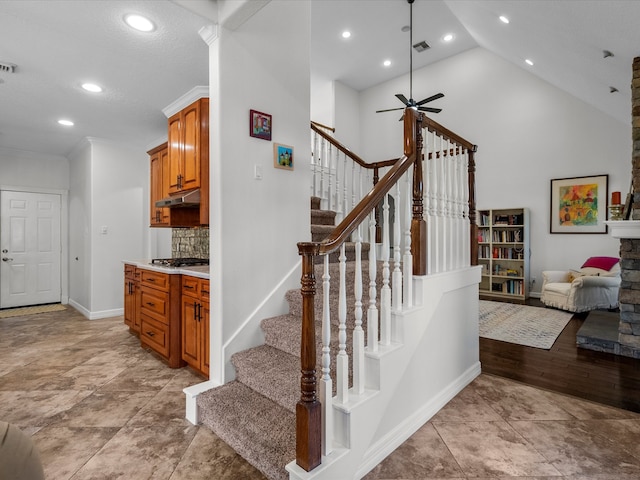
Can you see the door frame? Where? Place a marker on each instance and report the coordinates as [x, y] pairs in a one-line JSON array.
[[64, 232]]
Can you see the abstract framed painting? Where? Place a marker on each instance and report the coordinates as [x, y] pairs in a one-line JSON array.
[[579, 204]]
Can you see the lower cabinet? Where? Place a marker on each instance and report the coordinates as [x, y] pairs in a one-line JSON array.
[[132, 297], [170, 313], [195, 323], [160, 315]]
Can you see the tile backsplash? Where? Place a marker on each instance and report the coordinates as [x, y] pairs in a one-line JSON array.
[[190, 242]]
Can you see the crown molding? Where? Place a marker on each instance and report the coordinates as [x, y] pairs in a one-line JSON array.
[[185, 100]]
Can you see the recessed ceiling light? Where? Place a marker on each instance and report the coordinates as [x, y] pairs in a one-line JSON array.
[[529, 62], [92, 87], [139, 23], [386, 63], [66, 123], [448, 37], [346, 34], [504, 19]]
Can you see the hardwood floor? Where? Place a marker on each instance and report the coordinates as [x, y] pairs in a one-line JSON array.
[[601, 377]]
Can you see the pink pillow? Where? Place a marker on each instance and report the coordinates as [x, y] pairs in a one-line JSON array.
[[604, 263]]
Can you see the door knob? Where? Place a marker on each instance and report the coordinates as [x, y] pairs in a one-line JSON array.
[[5, 259], [5, 250]]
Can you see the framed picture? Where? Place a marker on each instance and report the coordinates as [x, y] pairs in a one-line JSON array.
[[260, 125], [282, 156], [579, 204]]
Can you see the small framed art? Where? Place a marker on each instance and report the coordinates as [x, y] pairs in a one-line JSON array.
[[579, 204], [260, 125], [282, 156]]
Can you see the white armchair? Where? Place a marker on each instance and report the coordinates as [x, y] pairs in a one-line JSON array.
[[594, 286]]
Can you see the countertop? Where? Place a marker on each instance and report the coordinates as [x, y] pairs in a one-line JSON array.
[[200, 271]]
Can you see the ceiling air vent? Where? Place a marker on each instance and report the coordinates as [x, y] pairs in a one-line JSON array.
[[6, 67], [421, 46]]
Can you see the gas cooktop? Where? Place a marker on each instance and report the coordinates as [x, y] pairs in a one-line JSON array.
[[179, 262]]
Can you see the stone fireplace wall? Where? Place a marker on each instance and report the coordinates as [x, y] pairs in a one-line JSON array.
[[629, 326]]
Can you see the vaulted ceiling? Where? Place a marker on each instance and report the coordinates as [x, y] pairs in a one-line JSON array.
[[57, 45]]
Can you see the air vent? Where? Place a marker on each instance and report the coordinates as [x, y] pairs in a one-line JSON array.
[[421, 46], [6, 67]]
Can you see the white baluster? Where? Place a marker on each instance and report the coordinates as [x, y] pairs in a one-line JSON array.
[[448, 233], [465, 204], [342, 363], [385, 293], [358, 332], [407, 261], [314, 165], [331, 173], [396, 279], [326, 385], [372, 312]]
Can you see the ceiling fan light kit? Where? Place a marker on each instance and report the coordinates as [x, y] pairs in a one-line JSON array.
[[410, 102]]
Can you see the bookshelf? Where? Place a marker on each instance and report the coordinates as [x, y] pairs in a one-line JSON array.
[[503, 253]]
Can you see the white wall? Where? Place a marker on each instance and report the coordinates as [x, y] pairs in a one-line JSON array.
[[108, 188], [527, 131], [322, 101], [29, 169], [255, 224], [347, 121], [80, 279], [120, 202]]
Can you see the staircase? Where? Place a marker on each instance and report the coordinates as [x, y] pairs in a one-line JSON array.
[[255, 413]]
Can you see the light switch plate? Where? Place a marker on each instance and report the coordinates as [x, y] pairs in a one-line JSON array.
[[257, 172]]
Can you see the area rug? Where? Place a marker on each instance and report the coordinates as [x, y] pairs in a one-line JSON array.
[[20, 311], [521, 324]]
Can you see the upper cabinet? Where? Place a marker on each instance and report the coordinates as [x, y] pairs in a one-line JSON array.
[[180, 165], [189, 146]]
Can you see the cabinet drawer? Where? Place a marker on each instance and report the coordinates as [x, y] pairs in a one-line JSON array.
[[155, 335], [190, 286], [129, 271], [204, 290], [155, 279], [155, 304]]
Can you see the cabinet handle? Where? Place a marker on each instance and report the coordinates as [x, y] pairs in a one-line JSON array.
[[151, 334], [205, 291], [190, 287], [151, 304], [151, 280], [195, 311]]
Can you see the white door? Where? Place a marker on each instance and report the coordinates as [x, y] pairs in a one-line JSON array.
[[29, 248]]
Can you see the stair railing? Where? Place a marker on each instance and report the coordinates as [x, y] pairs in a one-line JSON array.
[[339, 176], [449, 207]]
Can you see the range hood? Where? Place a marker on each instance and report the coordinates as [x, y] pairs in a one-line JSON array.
[[181, 199]]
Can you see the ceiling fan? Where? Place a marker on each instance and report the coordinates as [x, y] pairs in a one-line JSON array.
[[411, 103]]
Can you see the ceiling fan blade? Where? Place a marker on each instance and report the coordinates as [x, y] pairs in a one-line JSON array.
[[389, 110], [430, 109], [401, 118], [402, 98], [430, 99]]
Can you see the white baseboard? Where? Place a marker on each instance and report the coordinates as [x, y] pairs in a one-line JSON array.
[[116, 312]]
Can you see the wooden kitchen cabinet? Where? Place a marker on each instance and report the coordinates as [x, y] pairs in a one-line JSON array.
[[160, 315], [195, 323], [159, 189], [132, 297], [188, 153]]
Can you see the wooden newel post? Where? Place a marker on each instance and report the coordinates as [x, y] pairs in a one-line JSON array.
[[413, 130], [308, 411], [473, 230]]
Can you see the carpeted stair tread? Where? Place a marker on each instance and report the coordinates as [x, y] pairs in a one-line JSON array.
[[323, 217], [271, 372], [260, 430]]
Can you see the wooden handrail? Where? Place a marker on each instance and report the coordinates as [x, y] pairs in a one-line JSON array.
[[316, 127], [318, 124], [433, 126]]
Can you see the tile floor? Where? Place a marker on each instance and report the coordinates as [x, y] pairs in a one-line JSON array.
[[100, 407]]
